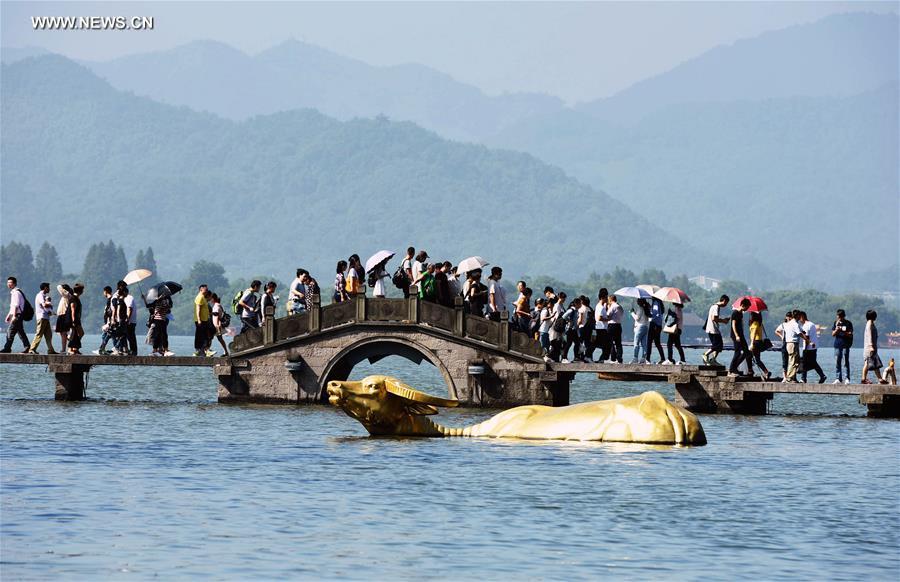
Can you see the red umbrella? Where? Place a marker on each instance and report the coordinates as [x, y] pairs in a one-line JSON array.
[[672, 295], [756, 303]]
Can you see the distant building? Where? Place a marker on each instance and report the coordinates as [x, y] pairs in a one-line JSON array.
[[706, 283]]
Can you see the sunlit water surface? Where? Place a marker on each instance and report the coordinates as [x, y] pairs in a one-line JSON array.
[[152, 478]]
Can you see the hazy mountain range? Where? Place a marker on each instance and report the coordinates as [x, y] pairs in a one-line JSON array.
[[293, 188], [784, 141]]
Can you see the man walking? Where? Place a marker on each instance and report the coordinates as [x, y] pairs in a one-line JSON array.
[[249, 306], [201, 321], [615, 314], [407, 266], [131, 307], [43, 306], [792, 336], [712, 330], [842, 332], [15, 318], [496, 294], [810, 348], [741, 348]]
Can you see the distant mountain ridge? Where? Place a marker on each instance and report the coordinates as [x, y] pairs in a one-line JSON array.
[[212, 76], [838, 56], [294, 188]]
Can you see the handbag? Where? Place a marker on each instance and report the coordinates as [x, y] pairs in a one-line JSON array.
[[766, 342], [671, 328]]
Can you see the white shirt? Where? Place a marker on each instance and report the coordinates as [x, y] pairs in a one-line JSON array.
[[499, 291], [546, 321], [791, 330], [131, 304], [809, 328], [416, 270], [297, 286], [601, 311], [712, 326], [16, 301], [582, 316], [39, 301]]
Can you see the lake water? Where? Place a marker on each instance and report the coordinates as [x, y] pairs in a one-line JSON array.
[[152, 478]]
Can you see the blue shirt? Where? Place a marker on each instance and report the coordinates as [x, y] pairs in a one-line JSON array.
[[843, 328], [657, 312]]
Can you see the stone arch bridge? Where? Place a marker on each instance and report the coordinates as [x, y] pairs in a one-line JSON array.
[[483, 362]]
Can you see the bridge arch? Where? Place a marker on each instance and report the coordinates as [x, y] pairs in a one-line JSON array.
[[376, 348]]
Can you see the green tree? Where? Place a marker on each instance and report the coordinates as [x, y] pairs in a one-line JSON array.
[[212, 274], [47, 266], [146, 260], [16, 261], [104, 264]]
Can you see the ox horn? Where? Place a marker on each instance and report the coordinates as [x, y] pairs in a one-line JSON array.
[[400, 389]]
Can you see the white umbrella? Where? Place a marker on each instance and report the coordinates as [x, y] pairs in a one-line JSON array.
[[649, 288], [137, 276], [471, 264], [377, 259], [672, 295], [635, 292]]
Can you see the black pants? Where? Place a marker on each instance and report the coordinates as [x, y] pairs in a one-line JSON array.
[[810, 362], [585, 334], [406, 291], [615, 338], [16, 328], [741, 354], [674, 340], [160, 334], [602, 341], [202, 336], [655, 338], [784, 357], [571, 340], [555, 349], [131, 333]]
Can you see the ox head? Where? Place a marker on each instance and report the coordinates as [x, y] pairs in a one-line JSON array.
[[383, 404]]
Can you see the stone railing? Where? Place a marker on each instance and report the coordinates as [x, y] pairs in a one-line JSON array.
[[414, 311]]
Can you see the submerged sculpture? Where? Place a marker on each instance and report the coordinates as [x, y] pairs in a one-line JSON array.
[[387, 406]]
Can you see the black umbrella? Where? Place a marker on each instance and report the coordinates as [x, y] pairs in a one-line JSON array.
[[160, 290]]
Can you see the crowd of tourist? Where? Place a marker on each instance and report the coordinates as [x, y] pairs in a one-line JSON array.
[[568, 329]]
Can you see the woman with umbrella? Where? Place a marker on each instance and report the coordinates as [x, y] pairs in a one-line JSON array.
[[159, 302], [375, 267]]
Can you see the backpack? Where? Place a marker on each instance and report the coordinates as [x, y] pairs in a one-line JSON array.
[[428, 290], [224, 318], [28, 310], [401, 277], [559, 324], [236, 303]]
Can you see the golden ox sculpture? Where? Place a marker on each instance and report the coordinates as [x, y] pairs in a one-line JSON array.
[[387, 406]]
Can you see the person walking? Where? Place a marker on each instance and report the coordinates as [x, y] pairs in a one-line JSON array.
[[557, 326], [615, 314], [15, 318], [418, 268], [641, 319], [544, 316], [77, 330], [312, 290], [842, 332], [792, 336], [119, 320], [354, 284], [810, 348], [601, 325], [63, 315], [132, 310], [741, 348], [379, 289], [570, 315], [268, 300], [523, 310], [43, 309], [106, 329], [406, 266], [249, 306], [201, 321], [713, 319], [442, 284], [296, 302], [340, 283], [586, 329], [871, 362], [220, 321], [496, 294], [159, 326], [453, 280], [654, 336], [757, 333], [779, 331], [476, 293], [675, 324]]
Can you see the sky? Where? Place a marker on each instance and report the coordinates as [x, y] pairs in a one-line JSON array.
[[578, 51]]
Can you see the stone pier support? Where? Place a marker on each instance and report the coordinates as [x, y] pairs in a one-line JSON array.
[[717, 395], [881, 405], [70, 381]]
